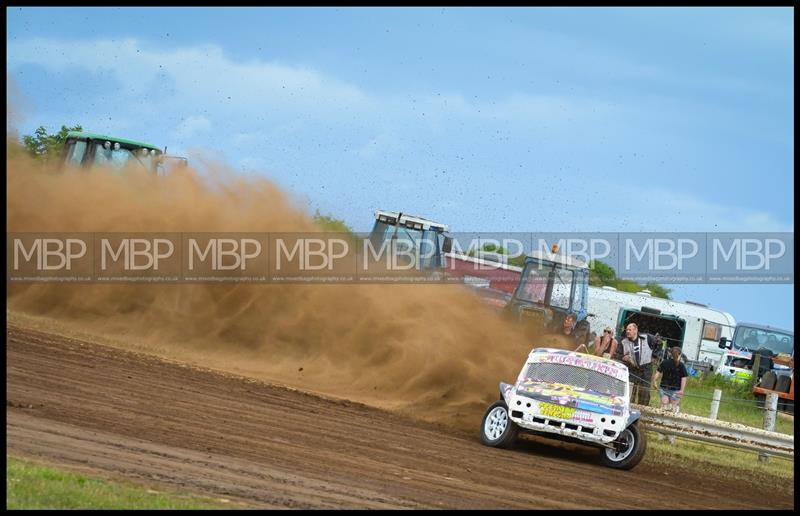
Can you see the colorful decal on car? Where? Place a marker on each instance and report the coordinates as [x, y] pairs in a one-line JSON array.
[[582, 417], [599, 364], [507, 389], [571, 396], [556, 411]]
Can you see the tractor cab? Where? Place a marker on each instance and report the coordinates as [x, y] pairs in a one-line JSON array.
[[88, 150], [550, 287], [412, 240]]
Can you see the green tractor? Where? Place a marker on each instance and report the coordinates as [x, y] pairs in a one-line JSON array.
[[87, 150]]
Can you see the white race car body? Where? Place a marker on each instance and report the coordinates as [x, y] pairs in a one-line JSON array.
[[571, 394]]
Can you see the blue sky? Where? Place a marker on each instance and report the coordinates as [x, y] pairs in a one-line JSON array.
[[526, 119]]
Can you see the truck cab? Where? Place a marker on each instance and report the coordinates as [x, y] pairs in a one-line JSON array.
[[550, 287], [411, 238], [774, 345], [87, 150]]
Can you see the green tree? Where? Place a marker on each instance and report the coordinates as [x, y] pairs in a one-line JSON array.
[[517, 261], [601, 275], [331, 224], [493, 248], [46, 147], [658, 290]]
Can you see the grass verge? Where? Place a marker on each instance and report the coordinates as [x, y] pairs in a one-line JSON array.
[[33, 486], [725, 462], [737, 404]]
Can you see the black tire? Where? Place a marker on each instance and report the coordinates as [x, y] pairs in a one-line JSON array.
[[782, 383], [493, 420], [631, 453], [768, 380]]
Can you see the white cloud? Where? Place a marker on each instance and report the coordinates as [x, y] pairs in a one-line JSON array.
[[654, 209], [192, 126], [706, 215], [202, 75]]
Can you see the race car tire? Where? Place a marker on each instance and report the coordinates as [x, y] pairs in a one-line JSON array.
[[631, 453], [497, 429]]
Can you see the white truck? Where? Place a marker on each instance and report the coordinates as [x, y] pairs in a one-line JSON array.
[[569, 396], [775, 350], [694, 327]]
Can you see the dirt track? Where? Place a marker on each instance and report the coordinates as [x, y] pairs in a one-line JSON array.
[[131, 415]]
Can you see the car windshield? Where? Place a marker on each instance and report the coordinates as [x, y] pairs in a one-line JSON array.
[[577, 377], [535, 278], [752, 339]]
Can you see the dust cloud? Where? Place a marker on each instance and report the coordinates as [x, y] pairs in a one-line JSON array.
[[432, 351]]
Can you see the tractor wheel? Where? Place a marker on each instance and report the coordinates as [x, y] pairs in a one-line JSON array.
[[768, 380], [782, 383]]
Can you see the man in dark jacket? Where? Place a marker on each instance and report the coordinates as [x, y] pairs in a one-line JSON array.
[[637, 354], [673, 377]]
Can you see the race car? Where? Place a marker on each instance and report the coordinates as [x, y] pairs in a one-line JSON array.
[[569, 396]]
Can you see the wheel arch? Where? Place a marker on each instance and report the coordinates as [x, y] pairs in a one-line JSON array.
[[506, 390]]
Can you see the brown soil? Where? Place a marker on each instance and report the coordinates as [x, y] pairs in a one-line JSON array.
[[119, 413]]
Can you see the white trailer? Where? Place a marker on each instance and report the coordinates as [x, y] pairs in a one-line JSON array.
[[694, 327]]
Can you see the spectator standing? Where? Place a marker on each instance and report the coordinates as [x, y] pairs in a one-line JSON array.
[[671, 378], [605, 345], [637, 354]]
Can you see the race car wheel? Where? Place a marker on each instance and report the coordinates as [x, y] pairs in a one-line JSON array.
[[497, 429], [628, 450]]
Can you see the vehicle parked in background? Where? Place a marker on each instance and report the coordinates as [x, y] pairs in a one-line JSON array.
[[693, 327], [87, 150], [765, 352], [551, 286]]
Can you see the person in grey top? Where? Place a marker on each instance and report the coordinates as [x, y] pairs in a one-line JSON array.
[[637, 354]]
